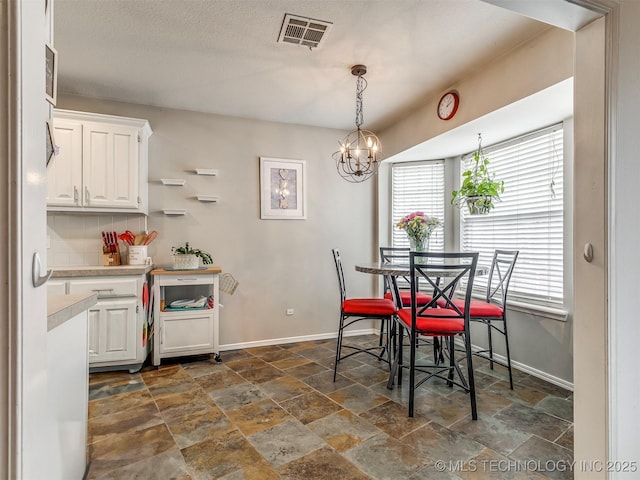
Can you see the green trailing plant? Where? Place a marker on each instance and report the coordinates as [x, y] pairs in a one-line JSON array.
[[186, 249], [479, 190]]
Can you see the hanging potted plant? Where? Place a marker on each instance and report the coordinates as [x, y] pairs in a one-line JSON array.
[[479, 190]]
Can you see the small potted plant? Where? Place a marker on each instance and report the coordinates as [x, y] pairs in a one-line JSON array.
[[479, 190], [186, 257]]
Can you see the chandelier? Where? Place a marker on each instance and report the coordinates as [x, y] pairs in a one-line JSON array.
[[357, 159]]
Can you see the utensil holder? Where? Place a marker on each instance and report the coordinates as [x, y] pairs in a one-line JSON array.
[[137, 254]]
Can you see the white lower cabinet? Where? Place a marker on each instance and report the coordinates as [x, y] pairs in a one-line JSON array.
[[117, 322], [185, 331], [112, 330]]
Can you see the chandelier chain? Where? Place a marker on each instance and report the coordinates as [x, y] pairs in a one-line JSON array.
[[361, 85]]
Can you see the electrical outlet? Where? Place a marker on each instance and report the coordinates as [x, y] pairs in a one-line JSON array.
[[289, 311]]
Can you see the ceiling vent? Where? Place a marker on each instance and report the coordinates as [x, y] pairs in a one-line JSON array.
[[303, 31]]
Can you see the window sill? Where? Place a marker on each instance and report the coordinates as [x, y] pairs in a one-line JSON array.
[[552, 313], [557, 314]]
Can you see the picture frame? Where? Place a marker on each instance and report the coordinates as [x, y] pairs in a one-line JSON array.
[[282, 189], [51, 74]]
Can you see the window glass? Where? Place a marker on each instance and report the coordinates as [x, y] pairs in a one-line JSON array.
[[418, 187]]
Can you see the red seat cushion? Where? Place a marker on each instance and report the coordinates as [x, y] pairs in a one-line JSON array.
[[438, 321], [369, 306], [478, 308], [405, 296]]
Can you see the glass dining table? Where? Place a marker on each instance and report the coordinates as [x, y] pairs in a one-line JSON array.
[[403, 269]]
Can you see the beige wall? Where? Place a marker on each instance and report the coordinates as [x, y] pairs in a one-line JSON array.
[[280, 264], [528, 69]]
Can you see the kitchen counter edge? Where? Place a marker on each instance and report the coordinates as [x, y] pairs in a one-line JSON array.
[[61, 308], [97, 270]]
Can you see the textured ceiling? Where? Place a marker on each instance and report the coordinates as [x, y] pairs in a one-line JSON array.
[[222, 56]]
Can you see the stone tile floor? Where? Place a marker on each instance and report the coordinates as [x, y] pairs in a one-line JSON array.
[[274, 412]]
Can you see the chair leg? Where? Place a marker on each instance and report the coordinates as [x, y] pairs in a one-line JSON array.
[[400, 353], [412, 372], [383, 348], [490, 344], [452, 360], [472, 383], [338, 347], [397, 352], [506, 343]]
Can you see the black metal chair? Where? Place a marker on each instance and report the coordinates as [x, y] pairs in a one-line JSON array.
[[353, 310], [444, 272], [492, 311]]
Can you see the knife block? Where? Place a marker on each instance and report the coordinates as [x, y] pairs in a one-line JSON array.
[[110, 259]]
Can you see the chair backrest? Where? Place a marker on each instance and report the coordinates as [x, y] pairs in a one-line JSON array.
[[338, 262], [500, 276], [395, 255], [444, 272]]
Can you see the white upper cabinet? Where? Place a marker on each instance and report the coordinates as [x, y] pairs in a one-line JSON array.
[[102, 164]]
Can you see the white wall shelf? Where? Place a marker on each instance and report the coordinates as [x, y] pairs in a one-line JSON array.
[[174, 211], [207, 198], [178, 182], [207, 171]]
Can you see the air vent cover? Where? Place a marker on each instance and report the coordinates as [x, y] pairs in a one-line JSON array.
[[303, 31]]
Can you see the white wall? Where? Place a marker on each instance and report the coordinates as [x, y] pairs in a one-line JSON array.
[[280, 264]]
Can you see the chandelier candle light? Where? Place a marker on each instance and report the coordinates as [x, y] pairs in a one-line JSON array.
[[357, 159], [419, 228]]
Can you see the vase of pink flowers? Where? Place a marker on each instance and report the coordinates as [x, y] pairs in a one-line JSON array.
[[418, 228]]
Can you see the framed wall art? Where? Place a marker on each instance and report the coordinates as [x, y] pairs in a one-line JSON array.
[[282, 189], [51, 72]]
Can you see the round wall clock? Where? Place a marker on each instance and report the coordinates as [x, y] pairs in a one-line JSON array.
[[448, 105]]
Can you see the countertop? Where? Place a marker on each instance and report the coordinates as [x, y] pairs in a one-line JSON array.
[[61, 308], [99, 270]]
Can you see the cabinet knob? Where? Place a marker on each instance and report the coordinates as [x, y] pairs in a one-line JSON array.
[[75, 195]]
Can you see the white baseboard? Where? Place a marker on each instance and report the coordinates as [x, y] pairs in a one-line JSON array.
[[532, 371], [305, 338]]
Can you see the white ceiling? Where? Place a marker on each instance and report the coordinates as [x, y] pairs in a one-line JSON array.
[[221, 56]]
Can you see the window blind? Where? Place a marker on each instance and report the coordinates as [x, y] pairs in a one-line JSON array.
[[528, 217], [418, 187]]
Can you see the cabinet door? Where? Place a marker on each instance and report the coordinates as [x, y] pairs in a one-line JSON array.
[[112, 331], [184, 333], [110, 167], [64, 173]]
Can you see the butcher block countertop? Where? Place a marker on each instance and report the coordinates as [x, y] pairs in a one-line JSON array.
[[188, 271], [61, 308], [98, 270]]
